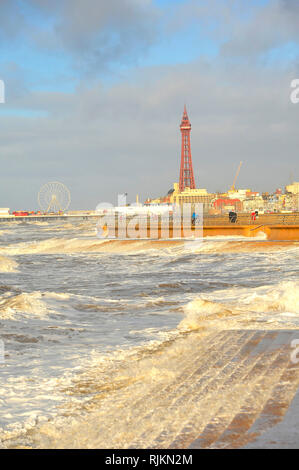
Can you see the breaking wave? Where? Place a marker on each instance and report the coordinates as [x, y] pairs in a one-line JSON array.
[[116, 382], [283, 297], [95, 245], [8, 265], [167, 320], [200, 309], [53, 245], [146, 367], [22, 304]]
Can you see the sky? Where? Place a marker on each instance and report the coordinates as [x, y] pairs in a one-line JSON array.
[[95, 92]]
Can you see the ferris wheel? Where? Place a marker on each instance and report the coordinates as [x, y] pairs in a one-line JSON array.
[[54, 197]]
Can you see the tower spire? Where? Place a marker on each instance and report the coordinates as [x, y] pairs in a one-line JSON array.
[[186, 171]]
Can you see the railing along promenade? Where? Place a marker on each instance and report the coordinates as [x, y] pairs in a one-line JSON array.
[[247, 219], [274, 226]]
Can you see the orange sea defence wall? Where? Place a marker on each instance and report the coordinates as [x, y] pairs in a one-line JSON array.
[[273, 232], [277, 227], [281, 232]]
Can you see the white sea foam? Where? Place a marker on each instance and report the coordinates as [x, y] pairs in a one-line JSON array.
[[26, 304], [121, 361], [90, 244], [53, 245], [276, 299], [282, 297], [7, 265]]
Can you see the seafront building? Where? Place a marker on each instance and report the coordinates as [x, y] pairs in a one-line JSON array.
[[293, 188], [238, 200], [193, 196]]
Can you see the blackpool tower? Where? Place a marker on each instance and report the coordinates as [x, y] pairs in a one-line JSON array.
[[186, 171]]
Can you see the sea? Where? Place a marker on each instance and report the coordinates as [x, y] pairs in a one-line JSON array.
[[94, 333]]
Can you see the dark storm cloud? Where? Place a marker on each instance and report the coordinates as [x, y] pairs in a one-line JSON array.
[[242, 29], [291, 5], [97, 33], [272, 26]]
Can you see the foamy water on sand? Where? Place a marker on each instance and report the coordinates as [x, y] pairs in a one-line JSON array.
[[94, 331]]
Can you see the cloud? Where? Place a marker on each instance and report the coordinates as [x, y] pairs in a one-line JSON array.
[[243, 30], [103, 139], [101, 142], [12, 21], [271, 26], [98, 33]]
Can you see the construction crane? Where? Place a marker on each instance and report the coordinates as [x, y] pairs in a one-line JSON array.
[[236, 176]]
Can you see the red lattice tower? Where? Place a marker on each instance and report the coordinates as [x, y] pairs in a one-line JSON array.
[[186, 172]]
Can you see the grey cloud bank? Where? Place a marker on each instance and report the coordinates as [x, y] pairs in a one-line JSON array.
[[102, 142]]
